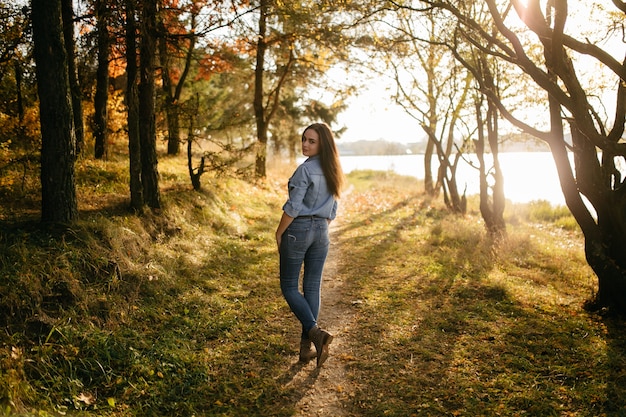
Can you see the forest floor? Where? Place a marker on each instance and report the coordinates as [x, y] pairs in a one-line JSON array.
[[179, 312]]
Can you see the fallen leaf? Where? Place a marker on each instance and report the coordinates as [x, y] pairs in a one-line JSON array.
[[86, 397]]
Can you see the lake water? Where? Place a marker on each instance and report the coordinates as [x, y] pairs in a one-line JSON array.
[[528, 176]]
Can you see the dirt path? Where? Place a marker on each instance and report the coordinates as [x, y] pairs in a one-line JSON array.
[[327, 391]]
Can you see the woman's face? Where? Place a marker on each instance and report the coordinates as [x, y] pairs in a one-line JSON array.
[[310, 143]]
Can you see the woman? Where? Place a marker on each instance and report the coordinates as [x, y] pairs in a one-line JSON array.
[[302, 234]]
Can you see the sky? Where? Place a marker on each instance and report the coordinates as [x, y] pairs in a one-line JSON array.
[[372, 116]]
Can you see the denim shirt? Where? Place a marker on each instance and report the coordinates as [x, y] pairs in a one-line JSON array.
[[308, 192]]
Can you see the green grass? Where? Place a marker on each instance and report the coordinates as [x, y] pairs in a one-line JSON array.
[[455, 324], [180, 314], [153, 315], [541, 211]]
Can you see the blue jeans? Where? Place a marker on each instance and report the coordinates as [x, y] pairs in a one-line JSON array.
[[304, 242]]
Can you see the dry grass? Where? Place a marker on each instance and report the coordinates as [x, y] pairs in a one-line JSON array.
[[453, 324], [179, 313]]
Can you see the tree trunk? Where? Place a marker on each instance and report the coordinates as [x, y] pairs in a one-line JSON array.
[[171, 110], [147, 128], [446, 173], [605, 238], [194, 173], [132, 103], [102, 81], [428, 173], [173, 128], [70, 45], [597, 180], [498, 226], [58, 143], [172, 93], [455, 202], [602, 214], [458, 202], [491, 207], [259, 109], [18, 92]]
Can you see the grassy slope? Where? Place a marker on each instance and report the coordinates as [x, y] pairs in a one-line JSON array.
[[459, 326], [179, 313]]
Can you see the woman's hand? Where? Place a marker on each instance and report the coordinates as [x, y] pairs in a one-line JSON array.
[[278, 240], [285, 221]]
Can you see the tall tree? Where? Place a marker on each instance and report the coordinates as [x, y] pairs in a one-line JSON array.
[[491, 205], [100, 128], [132, 104], [77, 97], [433, 89], [169, 44], [593, 187], [295, 43], [58, 147], [482, 66], [147, 127], [260, 114]]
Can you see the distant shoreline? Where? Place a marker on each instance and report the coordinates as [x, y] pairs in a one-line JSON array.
[[383, 147]]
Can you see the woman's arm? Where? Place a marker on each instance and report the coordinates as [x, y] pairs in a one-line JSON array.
[[285, 221]]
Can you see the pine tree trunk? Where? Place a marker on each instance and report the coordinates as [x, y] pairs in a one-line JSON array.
[[173, 128], [259, 109], [70, 45], [102, 81], [132, 103], [147, 128], [171, 108], [58, 143]]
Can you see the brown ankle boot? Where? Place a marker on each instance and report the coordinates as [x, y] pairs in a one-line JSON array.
[[321, 339], [306, 353]]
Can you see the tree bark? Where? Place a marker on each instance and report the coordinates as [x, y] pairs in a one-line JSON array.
[[429, 185], [19, 99], [498, 226], [598, 180], [602, 217], [170, 105], [58, 143], [100, 130], [147, 128], [132, 103], [194, 173], [491, 207], [259, 108], [77, 97]]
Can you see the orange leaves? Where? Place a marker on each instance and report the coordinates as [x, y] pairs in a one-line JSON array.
[[213, 64]]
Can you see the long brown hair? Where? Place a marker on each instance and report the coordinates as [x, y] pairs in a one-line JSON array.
[[329, 158]]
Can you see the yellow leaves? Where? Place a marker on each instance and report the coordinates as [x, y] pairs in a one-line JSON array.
[[346, 357]]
